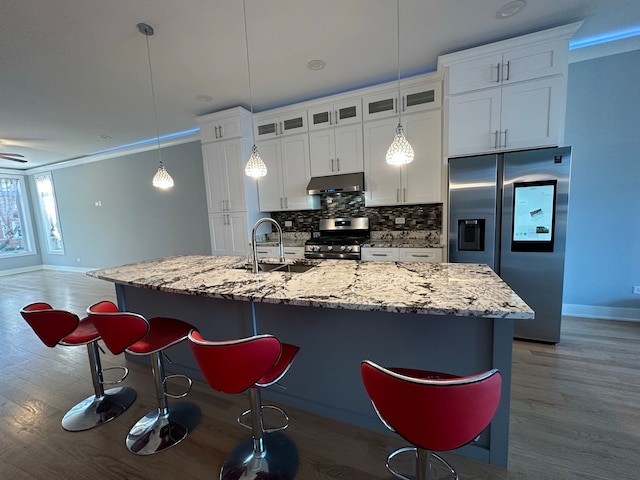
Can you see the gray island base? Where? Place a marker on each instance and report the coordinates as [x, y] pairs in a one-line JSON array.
[[454, 318]]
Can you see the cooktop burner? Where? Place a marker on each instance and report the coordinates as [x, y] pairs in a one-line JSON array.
[[340, 238]]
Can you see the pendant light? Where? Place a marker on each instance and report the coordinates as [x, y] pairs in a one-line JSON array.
[[400, 152], [161, 179], [255, 167]]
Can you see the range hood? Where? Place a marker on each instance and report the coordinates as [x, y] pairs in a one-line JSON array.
[[346, 182]]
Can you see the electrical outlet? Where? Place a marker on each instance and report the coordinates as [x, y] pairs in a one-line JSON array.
[[98, 203], [288, 223], [78, 259], [399, 220], [636, 290]]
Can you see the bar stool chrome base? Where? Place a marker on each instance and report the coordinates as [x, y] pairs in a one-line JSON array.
[[279, 460], [157, 431], [94, 411]]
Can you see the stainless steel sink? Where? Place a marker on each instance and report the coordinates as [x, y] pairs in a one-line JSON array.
[[284, 267], [280, 267]]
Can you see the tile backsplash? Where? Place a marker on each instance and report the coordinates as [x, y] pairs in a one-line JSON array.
[[416, 217]]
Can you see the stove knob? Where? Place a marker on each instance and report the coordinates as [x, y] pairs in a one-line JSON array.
[[329, 247], [349, 248], [342, 248], [315, 248]]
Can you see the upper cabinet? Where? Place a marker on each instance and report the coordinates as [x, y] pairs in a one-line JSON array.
[[275, 123], [335, 137], [508, 95], [232, 123], [329, 115], [414, 97], [418, 182], [285, 185]]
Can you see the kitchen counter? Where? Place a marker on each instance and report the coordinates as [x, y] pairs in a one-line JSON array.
[[457, 289], [455, 318]]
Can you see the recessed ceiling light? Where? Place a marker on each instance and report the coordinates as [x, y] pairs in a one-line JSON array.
[[316, 65], [510, 9], [105, 136], [204, 98]]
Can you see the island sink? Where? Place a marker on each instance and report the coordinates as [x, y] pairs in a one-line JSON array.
[[280, 267]]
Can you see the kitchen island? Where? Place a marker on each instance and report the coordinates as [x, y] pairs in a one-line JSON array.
[[455, 318]]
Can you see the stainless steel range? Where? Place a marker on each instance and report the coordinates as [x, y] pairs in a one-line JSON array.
[[340, 238]]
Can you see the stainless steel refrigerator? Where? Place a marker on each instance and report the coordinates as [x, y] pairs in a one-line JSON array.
[[510, 211]]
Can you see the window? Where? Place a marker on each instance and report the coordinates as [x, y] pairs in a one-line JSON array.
[[15, 237], [49, 213]]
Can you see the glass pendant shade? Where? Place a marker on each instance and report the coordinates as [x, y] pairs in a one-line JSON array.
[[162, 179], [400, 152], [255, 167]]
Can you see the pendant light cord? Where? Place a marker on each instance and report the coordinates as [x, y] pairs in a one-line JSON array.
[[147, 30], [398, 57], [246, 41]]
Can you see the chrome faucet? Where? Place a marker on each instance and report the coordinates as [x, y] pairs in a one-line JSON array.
[[254, 266]]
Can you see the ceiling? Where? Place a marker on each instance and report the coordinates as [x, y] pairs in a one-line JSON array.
[[74, 74]]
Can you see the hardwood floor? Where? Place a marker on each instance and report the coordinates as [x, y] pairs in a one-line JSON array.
[[574, 414]]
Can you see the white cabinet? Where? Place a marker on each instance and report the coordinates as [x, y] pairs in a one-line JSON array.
[[414, 97], [229, 233], [402, 254], [507, 95], [270, 251], [280, 122], [336, 150], [380, 254], [327, 115], [285, 185], [520, 115], [418, 182], [232, 197], [430, 255], [224, 174], [513, 65]]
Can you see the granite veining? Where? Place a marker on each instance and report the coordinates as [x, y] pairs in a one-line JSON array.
[[471, 290]]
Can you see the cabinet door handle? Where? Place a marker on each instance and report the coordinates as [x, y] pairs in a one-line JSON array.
[[508, 70], [418, 255], [220, 130], [498, 72], [495, 143], [395, 105], [331, 119], [286, 202], [281, 130], [379, 255], [397, 194], [337, 164], [404, 194], [215, 131], [403, 106], [332, 165], [263, 252], [505, 138], [281, 203], [289, 253]]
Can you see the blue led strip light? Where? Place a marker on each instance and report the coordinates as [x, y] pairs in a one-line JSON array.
[[607, 37], [150, 140]]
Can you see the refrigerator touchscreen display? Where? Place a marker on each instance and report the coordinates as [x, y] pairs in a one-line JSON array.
[[534, 206]]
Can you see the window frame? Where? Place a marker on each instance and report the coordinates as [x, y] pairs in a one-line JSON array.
[[44, 221], [25, 220]]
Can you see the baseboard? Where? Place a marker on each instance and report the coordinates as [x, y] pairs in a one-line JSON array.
[[15, 271], [605, 313], [67, 269]]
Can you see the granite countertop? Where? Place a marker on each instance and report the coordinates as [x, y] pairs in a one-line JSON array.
[[401, 243], [470, 290]]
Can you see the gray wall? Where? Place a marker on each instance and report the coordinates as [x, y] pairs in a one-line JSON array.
[[136, 221], [603, 238]]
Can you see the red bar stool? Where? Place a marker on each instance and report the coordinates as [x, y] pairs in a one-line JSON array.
[[59, 327], [432, 410], [128, 332], [251, 363]]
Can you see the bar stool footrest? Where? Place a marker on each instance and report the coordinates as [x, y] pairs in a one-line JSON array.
[[246, 413], [414, 451], [178, 395], [125, 373]]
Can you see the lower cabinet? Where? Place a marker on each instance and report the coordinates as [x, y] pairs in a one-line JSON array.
[[402, 254], [270, 251], [229, 235]]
